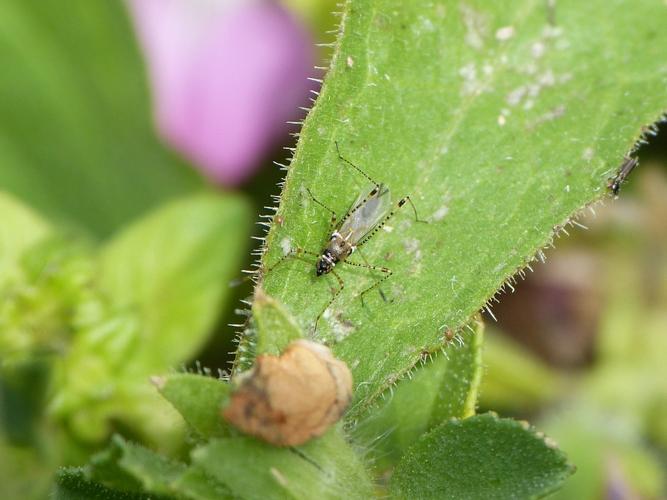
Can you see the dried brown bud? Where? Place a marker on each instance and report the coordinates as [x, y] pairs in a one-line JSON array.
[[290, 399]]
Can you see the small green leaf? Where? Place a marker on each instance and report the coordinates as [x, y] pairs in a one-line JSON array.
[[198, 399], [444, 387], [196, 484], [72, 484], [127, 468], [275, 328], [324, 468], [130, 466], [480, 457], [174, 267], [20, 229], [156, 302]]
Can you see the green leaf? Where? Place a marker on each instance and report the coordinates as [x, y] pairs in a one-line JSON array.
[[499, 119], [196, 484], [20, 229], [275, 328], [160, 298], [480, 457], [174, 267], [76, 138], [324, 468], [72, 484], [445, 386], [131, 467], [127, 468], [198, 399]]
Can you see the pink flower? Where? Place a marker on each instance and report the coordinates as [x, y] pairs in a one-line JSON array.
[[225, 76]]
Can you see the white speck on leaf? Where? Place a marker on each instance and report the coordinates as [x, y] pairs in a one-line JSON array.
[[440, 213], [280, 479], [476, 26], [341, 326], [515, 96], [547, 79], [550, 31], [588, 154], [471, 85], [349, 61], [286, 245], [468, 72], [557, 112], [426, 24], [538, 49], [502, 120], [505, 33], [412, 246]]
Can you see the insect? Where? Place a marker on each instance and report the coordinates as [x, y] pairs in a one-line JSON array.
[[365, 217], [624, 171]]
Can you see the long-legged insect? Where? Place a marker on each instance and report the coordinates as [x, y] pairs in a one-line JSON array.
[[366, 216], [624, 171]]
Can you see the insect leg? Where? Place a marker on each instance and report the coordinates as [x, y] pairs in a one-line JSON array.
[[414, 209], [377, 268], [293, 253], [341, 285], [333, 214], [399, 205], [341, 157], [387, 274]]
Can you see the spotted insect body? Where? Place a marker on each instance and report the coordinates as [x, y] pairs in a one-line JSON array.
[[338, 249], [369, 212]]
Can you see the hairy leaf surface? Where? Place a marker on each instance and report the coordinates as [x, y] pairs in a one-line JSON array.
[[500, 120]]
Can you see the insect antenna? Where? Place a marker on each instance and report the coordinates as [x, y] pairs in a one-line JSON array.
[[341, 157]]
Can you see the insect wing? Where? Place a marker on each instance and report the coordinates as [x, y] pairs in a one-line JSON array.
[[369, 212]]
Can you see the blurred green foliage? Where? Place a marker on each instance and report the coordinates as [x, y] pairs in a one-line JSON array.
[[76, 138], [609, 414], [82, 328], [115, 259]]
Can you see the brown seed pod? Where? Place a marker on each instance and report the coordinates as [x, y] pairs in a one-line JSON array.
[[290, 399]]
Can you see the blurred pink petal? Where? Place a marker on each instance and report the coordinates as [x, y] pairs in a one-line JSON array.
[[225, 76]]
